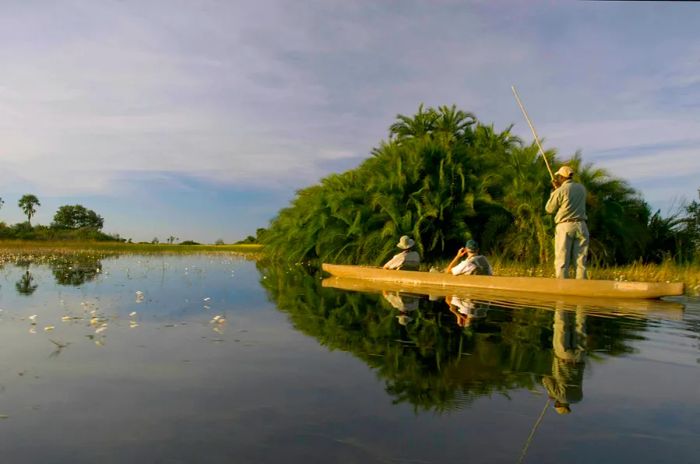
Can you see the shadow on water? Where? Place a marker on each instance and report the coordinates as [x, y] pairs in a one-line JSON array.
[[440, 352]]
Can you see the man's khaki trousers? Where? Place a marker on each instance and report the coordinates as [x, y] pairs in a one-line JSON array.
[[570, 248]]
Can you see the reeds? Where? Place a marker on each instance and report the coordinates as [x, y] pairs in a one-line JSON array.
[[14, 248]]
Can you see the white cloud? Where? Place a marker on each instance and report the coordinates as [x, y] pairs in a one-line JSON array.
[[268, 93]]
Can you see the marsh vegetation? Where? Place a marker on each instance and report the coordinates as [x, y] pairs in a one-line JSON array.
[[443, 177]]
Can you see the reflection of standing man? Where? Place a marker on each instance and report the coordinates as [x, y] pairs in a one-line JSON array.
[[565, 385], [568, 204]]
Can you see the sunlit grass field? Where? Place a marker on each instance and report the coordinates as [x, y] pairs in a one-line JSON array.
[[44, 247], [667, 271]]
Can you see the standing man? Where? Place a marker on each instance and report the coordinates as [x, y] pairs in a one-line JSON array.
[[568, 204]]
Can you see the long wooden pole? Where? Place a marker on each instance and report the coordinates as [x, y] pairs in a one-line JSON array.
[[523, 453], [534, 133]]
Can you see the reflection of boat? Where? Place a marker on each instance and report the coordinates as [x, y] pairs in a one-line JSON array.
[[535, 285], [592, 305]]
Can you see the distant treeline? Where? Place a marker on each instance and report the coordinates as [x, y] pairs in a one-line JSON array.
[[70, 222], [443, 177]]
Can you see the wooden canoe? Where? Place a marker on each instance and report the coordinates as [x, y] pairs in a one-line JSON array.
[[532, 285], [514, 300]]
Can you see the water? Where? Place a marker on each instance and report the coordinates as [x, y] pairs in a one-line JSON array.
[[296, 372]]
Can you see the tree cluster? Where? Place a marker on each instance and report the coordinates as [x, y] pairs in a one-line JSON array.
[[73, 222], [443, 177]]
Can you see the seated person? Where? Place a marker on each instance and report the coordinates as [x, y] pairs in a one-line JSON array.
[[474, 264], [465, 310], [406, 304], [407, 260]]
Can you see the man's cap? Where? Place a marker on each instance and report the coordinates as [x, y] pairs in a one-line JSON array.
[[405, 242], [565, 171], [472, 245], [561, 408]]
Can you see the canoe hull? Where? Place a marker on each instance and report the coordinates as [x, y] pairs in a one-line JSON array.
[[534, 285]]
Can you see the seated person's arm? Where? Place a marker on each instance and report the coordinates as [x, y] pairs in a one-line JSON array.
[[395, 262], [461, 252]]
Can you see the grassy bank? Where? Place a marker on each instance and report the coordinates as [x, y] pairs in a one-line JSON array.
[[667, 271], [49, 247]]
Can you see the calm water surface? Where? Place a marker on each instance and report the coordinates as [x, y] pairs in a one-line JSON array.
[[127, 361]]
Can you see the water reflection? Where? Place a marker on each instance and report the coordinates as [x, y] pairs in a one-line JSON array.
[[75, 269], [25, 285], [467, 311], [67, 269], [565, 384], [404, 303], [446, 351]]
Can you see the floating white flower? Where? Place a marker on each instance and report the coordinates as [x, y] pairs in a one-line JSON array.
[[218, 320]]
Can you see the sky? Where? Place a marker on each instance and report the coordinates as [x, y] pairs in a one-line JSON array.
[[200, 119]]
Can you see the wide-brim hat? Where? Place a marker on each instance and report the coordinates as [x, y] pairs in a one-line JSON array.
[[405, 242]]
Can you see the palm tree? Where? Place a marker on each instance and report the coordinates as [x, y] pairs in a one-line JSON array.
[[28, 204], [420, 124], [443, 177]]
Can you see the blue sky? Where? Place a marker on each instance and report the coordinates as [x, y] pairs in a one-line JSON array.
[[200, 119]]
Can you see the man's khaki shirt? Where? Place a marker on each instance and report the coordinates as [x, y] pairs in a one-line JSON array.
[[569, 202]]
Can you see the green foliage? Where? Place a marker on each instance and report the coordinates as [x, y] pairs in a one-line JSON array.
[[189, 242], [77, 217], [28, 204], [431, 363], [442, 178], [24, 231], [690, 229]]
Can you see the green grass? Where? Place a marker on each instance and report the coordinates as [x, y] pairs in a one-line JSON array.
[[668, 271], [51, 247]]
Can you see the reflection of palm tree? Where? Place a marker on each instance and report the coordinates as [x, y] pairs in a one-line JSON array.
[[565, 384], [432, 363], [25, 285]]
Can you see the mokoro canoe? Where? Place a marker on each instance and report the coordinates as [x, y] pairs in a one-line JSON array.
[[534, 285], [515, 300]]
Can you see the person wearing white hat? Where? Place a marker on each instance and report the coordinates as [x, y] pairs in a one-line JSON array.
[[568, 204], [406, 260]]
